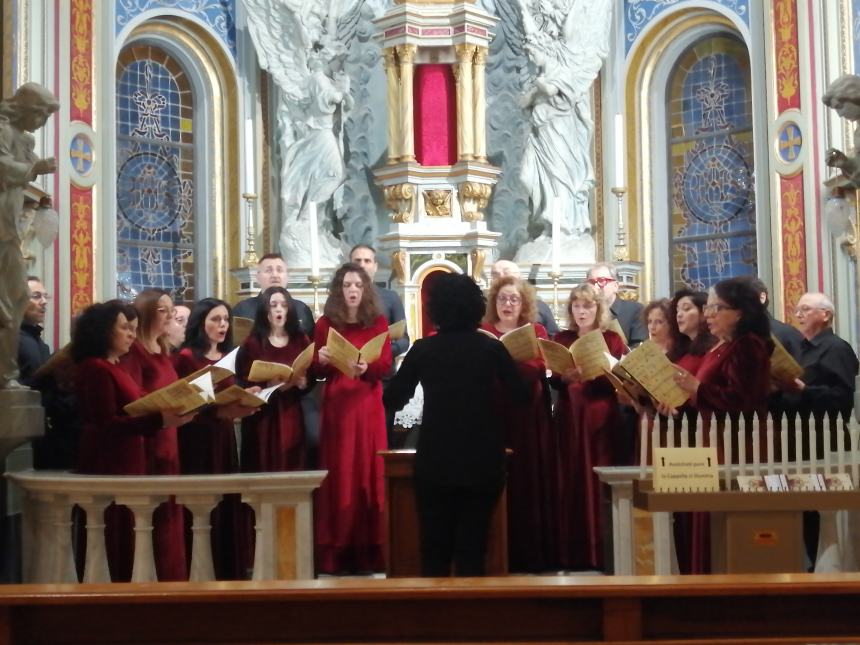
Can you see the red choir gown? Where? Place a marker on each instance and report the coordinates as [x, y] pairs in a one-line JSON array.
[[348, 519], [590, 434], [532, 484], [273, 439], [154, 371], [692, 530], [734, 380], [113, 443], [207, 446]]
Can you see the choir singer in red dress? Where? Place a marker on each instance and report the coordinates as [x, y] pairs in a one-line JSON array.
[[149, 363], [589, 434], [533, 466], [113, 443], [350, 502], [207, 445], [273, 440]]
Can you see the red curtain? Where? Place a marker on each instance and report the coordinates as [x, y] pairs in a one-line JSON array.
[[435, 115]]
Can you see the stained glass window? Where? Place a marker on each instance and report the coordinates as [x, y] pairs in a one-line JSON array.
[[155, 174], [713, 233]]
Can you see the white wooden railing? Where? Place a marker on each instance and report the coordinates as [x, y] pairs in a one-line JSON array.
[[281, 503], [770, 449]]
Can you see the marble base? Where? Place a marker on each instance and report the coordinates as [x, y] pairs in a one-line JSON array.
[[22, 418], [573, 250]]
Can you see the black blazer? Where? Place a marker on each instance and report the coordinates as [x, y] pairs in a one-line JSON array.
[[629, 316], [462, 373]]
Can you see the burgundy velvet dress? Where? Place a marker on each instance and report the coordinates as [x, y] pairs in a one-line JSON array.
[[590, 434], [207, 446], [154, 371], [532, 485], [348, 518], [113, 443], [273, 439]]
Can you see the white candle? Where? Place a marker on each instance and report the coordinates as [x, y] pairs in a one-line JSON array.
[[619, 150], [250, 154], [555, 210], [315, 239]]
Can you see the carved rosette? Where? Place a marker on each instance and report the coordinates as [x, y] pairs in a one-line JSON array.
[[478, 257], [437, 203], [474, 197], [400, 198], [400, 265]]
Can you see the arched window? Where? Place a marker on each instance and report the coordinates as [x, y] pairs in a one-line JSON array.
[[155, 174], [713, 220]]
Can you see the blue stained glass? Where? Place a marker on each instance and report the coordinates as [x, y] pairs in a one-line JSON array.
[[155, 188], [713, 215]]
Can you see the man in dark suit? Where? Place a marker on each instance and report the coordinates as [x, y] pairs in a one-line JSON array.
[[272, 272], [788, 336], [546, 318], [364, 256], [603, 276]]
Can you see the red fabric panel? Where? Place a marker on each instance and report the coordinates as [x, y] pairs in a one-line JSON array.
[[435, 115]]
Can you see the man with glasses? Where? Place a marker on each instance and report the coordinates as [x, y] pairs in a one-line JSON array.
[[829, 363], [603, 276], [503, 268], [32, 350]]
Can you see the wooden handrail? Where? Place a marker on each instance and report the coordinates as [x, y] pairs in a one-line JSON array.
[[747, 609]]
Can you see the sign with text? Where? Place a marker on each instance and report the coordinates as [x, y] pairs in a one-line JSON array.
[[685, 470]]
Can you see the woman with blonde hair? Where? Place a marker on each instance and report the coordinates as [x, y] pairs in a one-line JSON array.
[[532, 468], [589, 433]]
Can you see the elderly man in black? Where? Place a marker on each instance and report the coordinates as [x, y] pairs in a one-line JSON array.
[[829, 363]]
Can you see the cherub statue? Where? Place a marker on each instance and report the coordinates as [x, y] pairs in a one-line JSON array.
[[302, 43], [24, 113], [843, 95], [566, 42]]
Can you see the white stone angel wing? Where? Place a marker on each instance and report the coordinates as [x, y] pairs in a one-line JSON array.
[[510, 18], [282, 41], [587, 27]]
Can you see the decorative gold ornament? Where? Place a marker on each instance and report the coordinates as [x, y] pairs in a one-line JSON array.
[[400, 265], [474, 197], [400, 198], [437, 203], [478, 257], [629, 293]]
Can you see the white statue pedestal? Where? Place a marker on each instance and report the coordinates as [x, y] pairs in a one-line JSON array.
[[23, 418]]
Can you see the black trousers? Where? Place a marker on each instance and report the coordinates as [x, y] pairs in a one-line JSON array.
[[454, 523]]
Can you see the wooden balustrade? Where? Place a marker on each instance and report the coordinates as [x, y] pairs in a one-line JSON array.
[[281, 504], [740, 610]]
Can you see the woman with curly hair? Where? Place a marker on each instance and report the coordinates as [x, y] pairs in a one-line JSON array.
[[533, 466], [350, 502], [460, 459], [589, 434], [113, 443]]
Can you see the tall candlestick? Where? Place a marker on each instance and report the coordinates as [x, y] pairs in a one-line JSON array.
[[555, 210], [619, 150], [315, 239], [249, 156]]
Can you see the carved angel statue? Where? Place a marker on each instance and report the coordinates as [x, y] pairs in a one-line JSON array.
[[843, 95], [566, 42], [302, 43], [24, 113]]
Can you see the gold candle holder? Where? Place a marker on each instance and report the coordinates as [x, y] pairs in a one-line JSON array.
[[251, 259], [555, 276], [315, 282], [621, 253]]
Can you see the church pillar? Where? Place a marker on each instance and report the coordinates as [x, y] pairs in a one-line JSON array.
[[406, 55], [463, 74], [479, 104], [393, 102]]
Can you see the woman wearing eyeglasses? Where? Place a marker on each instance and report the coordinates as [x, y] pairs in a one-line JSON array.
[[532, 469], [149, 363], [734, 376], [589, 427]]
